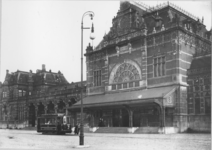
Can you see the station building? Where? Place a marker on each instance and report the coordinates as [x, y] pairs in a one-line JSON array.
[[150, 73]]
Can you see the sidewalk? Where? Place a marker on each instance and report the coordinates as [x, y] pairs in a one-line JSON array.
[[21, 139]]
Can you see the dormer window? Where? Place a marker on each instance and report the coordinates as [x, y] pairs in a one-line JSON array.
[[57, 78]]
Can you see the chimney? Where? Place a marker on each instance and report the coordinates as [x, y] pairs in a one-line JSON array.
[[89, 48], [43, 67]]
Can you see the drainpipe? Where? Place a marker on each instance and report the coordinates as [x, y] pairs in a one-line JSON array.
[[164, 117]]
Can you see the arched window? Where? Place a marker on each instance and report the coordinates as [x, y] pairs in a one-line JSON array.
[[125, 72]]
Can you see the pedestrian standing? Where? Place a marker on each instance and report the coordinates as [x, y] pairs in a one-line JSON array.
[[76, 129]]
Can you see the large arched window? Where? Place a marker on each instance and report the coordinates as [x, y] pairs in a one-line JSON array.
[[125, 72]]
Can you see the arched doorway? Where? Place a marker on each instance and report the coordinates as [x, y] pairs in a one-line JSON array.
[[61, 107], [41, 109], [32, 115], [50, 108]]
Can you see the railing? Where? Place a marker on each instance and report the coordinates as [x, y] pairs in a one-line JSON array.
[[126, 85], [163, 5]]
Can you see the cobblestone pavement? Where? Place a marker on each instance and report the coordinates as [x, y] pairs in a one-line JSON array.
[[22, 139]]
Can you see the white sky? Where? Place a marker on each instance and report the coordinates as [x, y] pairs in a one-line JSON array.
[[36, 32]]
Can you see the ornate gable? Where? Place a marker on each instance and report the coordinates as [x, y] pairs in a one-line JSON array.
[[129, 19], [134, 19]]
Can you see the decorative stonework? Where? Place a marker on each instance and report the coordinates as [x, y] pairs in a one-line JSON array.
[[138, 60], [111, 66]]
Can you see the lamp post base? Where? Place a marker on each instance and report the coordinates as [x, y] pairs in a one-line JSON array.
[[81, 139], [81, 146]]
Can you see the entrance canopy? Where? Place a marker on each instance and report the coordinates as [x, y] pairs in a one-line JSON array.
[[133, 97]]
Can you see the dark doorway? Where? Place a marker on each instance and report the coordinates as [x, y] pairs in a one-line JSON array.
[[32, 115], [61, 107], [40, 109], [116, 117], [50, 109], [136, 118], [125, 118]]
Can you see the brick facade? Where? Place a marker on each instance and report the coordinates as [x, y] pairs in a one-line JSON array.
[[147, 49], [26, 95]]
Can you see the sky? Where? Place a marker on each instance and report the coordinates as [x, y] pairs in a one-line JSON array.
[[36, 32]]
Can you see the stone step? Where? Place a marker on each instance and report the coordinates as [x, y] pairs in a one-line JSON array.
[[29, 128], [147, 130], [112, 130]]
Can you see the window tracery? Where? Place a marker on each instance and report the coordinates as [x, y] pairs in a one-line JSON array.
[[126, 72]]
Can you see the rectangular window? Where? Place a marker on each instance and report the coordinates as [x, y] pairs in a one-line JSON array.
[[131, 84], [163, 66], [114, 87], [97, 78], [155, 67], [136, 83], [119, 86], [159, 66], [202, 106], [4, 94], [207, 105], [197, 106], [124, 85], [24, 93], [20, 93], [190, 108]]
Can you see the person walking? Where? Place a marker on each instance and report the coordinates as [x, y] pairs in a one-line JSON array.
[[76, 130]]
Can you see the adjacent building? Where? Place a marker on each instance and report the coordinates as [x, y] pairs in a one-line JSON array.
[[150, 73], [26, 95]]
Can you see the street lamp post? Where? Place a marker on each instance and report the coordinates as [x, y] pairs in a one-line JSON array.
[[91, 14]]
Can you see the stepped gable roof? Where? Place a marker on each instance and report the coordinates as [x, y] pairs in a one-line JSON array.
[[135, 16]]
